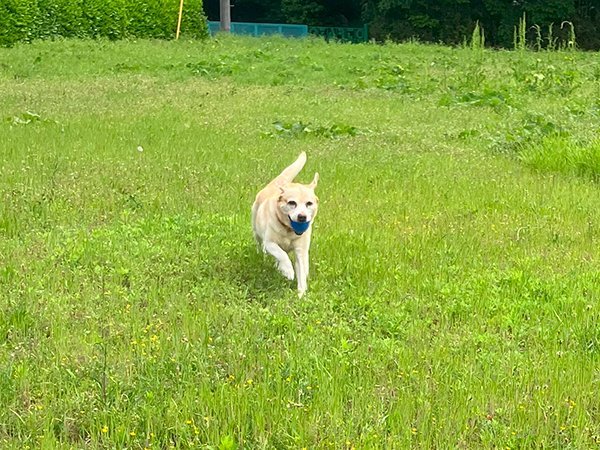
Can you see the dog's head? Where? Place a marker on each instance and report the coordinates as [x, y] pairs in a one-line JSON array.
[[299, 202]]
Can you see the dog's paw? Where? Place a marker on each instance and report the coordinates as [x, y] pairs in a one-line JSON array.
[[302, 286], [287, 270]]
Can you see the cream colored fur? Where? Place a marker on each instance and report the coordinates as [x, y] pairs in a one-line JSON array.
[[280, 202]]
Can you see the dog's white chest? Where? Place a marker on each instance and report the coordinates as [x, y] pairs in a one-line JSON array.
[[287, 244]]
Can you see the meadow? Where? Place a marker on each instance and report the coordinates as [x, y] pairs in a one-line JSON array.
[[454, 292]]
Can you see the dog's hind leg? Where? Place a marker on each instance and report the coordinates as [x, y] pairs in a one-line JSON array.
[[283, 260]]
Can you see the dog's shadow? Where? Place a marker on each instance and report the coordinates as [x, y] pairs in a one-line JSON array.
[[255, 273]]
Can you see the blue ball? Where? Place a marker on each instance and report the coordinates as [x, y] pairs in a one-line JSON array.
[[299, 227]]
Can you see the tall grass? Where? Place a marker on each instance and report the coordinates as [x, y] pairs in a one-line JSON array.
[[562, 155]]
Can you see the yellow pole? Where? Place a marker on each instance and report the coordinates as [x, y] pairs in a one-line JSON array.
[[179, 19]]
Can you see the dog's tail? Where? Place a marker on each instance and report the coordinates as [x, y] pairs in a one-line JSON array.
[[290, 172]]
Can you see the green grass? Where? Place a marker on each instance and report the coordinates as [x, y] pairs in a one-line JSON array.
[[454, 291], [560, 155]]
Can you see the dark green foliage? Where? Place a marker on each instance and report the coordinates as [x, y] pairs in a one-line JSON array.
[[17, 20], [450, 21], [26, 20], [447, 21]]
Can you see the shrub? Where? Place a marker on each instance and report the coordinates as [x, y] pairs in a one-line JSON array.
[[17, 20], [26, 20]]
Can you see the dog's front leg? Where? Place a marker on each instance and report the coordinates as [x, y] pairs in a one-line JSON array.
[[302, 269], [283, 260]]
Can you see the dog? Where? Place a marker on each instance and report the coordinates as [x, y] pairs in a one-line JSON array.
[[282, 218]]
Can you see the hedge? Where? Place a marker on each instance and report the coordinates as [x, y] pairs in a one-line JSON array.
[[26, 20]]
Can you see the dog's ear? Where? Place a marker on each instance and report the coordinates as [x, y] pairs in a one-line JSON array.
[[315, 181], [281, 192]]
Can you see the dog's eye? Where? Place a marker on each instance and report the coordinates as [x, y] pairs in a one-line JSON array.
[[292, 204], [309, 204]]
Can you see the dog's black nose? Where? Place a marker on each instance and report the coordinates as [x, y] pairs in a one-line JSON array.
[[301, 218]]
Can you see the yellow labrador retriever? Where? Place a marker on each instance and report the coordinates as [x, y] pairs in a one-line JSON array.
[[282, 217]]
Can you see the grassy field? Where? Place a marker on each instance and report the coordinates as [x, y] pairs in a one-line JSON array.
[[455, 284]]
